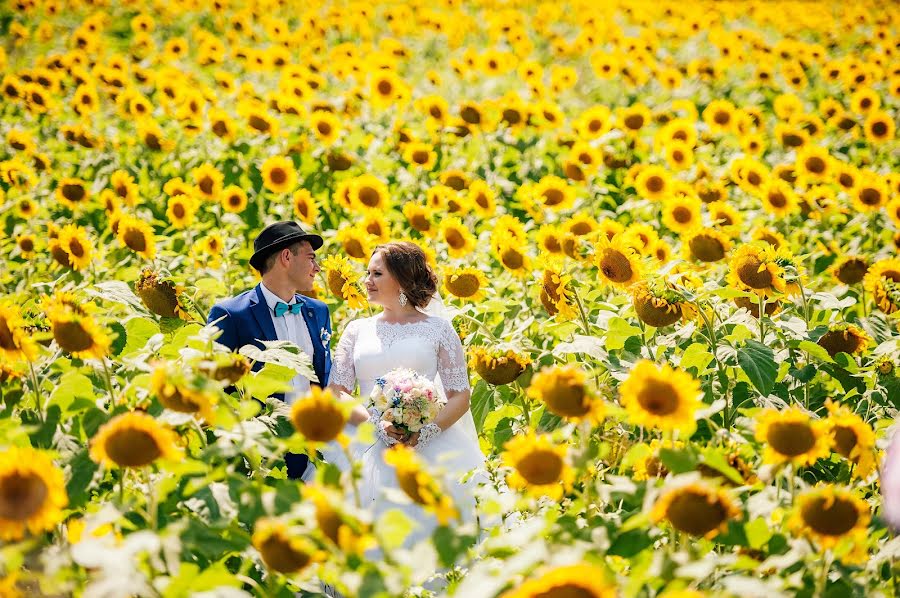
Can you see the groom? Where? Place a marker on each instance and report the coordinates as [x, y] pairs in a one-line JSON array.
[[285, 256]]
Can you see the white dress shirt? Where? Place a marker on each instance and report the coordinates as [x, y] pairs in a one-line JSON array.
[[291, 327]]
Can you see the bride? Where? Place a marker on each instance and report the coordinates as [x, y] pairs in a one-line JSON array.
[[404, 335]]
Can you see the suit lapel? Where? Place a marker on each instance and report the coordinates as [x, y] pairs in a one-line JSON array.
[[260, 311], [312, 325]]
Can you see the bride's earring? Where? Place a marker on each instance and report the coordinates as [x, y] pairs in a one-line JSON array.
[[402, 299]]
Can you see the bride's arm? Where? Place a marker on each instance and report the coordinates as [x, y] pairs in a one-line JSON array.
[[343, 372]]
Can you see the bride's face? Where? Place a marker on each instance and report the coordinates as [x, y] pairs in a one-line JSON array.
[[380, 284]]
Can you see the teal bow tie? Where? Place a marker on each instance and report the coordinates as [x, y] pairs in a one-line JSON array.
[[282, 308]]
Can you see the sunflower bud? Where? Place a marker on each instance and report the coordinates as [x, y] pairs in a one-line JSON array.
[[498, 367], [158, 295]]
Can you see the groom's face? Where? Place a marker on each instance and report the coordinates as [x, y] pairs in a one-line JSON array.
[[302, 268]]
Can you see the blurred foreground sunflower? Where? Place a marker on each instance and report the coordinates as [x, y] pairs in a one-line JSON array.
[[696, 509], [539, 465], [564, 390], [134, 439], [32, 493], [573, 581], [663, 398]]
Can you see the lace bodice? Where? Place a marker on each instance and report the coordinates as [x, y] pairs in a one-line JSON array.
[[370, 347]]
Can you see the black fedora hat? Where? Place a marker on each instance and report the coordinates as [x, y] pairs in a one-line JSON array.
[[278, 236]]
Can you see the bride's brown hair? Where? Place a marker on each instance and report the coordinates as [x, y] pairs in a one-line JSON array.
[[407, 263]]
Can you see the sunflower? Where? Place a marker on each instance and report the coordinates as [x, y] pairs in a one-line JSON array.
[[870, 194], [456, 179], [594, 122], [26, 208], [653, 183], [349, 534], [26, 242], [343, 281], [181, 210], [152, 136], [760, 268], [619, 264], [865, 100], [482, 198], [319, 417], [305, 206], [419, 485], [538, 465], [137, 235], [882, 282], [134, 439], [582, 581], [421, 155], [465, 282], [72, 193], [710, 192], [208, 180], [73, 326], [78, 247], [278, 174], [554, 193], [563, 389], [369, 194], [283, 550], [15, 342], [844, 338], [634, 118], [814, 163], [791, 436], [419, 218], [852, 438], [879, 127], [556, 294], [355, 242], [160, 295], [261, 122], [496, 365], [679, 155], [696, 509], [549, 239], [657, 303], [850, 269], [510, 252], [663, 398], [325, 126], [32, 493], [459, 239], [174, 390], [681, 213], [828, 514], [222, 125], [778, 198], [706, 245]]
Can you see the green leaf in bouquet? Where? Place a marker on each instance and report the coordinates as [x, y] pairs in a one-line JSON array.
[[758, 362]]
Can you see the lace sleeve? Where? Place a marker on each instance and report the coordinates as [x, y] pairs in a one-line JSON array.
[[452, 360], [343, 372]]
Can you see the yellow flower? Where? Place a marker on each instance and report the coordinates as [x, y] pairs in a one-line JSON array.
[[510, 252], [719, 116], [539, 466], [582, 581], [319, 417], [368, 193], [124, 187], [482, 198], [563, 389], [419, 218], [882, 282], [681, 213], [74, 328], [137, 235], [554, 193], [663, 398], [829, 515], [134, 439], [343, 281], [657, 303], [420, 486], [234, 199], [325, 126], [879, 127], [696, 509], [78, 247], [181, 210], [844, 338], [760, 268], [420, 155], [72, 193], [778, 198], [791, 437], [459, 239], [653, 183], [278, 174], [705, 245], [355, 242], [814, 163], [305, 206], [465, 282], [870, 194], [159, 295], [852, 438], [556, 294], [498, 366], [283, 550], [32, 493], [850, 269], [618, 263], [349, 534]]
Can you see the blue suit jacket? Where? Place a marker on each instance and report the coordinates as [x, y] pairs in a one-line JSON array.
[[245, 320]]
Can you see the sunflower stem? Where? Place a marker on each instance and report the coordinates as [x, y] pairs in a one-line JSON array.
[[584, 319], [109, 384], [762, 315], [38, 407], [480, 325], [122, 486], [152, 507], [822, 582], [353, 475]]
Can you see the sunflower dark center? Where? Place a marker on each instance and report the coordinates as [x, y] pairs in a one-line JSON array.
[[655, 184], [682, 215], [658, 398], [830, 517], [369, 197], [7, 341], [870, 196], [464, 285], [21, 495], [259, 123], [279, 555], [132, 448], [553, 196], [879, 128], [454, 238], [135, 240], [471, 115], [634, 121], [616, 266], [791, 438], [73, 192], [815, 165], [694, 513], [706, 249], [540, 467], [512, 259]]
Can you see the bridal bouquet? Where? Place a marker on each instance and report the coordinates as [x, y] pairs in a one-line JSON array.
[[406, 399]]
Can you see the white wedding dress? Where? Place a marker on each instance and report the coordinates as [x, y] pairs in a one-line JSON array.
[[370, 348]]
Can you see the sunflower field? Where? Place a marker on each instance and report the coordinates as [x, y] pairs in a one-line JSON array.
[[668, 232]]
